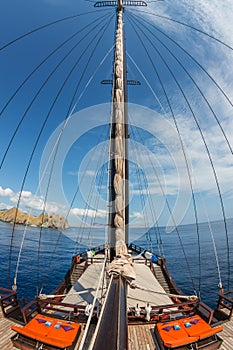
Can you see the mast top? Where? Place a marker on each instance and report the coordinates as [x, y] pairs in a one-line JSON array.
[[124, 3], [120, 5]]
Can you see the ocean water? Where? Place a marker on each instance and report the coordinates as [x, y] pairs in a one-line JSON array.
[[45, 256]]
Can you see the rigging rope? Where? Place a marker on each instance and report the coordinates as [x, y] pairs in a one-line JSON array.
[[186, 71], [74, 96], [44, 26], [103, 28], [209, 156], [220, 284], [35, 145], [48, 78], [187, 297], [152, 208], [180, 140], [186, 25], [92, 309]]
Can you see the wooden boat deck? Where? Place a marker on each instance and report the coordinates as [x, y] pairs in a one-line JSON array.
[[145, 279], [5, 333], [227, 336], [86, 285], [141, 337]]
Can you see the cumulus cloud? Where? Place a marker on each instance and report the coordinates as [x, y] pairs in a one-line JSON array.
[[212, 16], [137, 215], [5, 192], [30, 201], [88, 213]]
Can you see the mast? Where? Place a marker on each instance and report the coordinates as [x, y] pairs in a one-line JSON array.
[[118, 187], [118, 219]]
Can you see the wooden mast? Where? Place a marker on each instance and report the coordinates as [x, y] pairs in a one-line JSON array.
[[118, 214]]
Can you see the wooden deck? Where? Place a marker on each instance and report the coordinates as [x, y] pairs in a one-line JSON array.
[[227, 336], [5, 333], [141, 337]]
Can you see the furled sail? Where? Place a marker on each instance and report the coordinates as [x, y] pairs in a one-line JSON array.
[[118, 218]]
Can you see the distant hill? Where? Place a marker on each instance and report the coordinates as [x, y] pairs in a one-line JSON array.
[[43, 220]]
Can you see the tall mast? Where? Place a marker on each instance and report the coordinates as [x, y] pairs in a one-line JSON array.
[[118, 161], [114, 312], [118, 215]]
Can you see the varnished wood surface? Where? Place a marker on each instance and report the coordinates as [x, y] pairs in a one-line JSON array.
[[141, 337], [5, 333], [227, 336]]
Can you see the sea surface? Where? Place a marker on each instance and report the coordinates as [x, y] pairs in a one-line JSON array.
[[40, 262]]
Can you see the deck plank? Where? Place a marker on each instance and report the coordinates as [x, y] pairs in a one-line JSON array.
[[227, 336], [6, 333], [152, 292], [140, 337], [87, 285]]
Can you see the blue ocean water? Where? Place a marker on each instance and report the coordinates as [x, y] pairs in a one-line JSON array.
[[44, 264]]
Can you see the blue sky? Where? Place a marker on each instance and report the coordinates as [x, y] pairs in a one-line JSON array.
[[76, 161]]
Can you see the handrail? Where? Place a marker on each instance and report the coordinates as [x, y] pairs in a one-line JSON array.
[[159, 312], [8, 301], [27, 310], [63, 285], [91, 313], [43, 305], [209, 311], [226, 302]]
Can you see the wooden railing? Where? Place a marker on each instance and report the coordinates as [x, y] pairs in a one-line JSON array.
[[164, 312], [202, 309], [225, 303], [162, 263], [51, 307], [136, 248], [205, 312], [66, 284], [8, 301]]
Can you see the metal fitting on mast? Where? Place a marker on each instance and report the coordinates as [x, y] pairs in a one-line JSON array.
[[120, 5]]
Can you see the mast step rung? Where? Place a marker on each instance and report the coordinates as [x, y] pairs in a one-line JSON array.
[[115, 3], [129, 82]]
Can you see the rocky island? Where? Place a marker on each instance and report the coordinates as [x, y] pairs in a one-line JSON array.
[[43, 220]]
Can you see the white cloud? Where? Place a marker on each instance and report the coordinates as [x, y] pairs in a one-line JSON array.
[[137, 215], [30, 202], [5, 192], [88, 212], [212, 16]]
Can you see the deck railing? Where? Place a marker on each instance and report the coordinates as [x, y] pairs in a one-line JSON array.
[[8, 301], [162, 263], [66, 284], [51, 307], [164, 312], [225, 303]]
